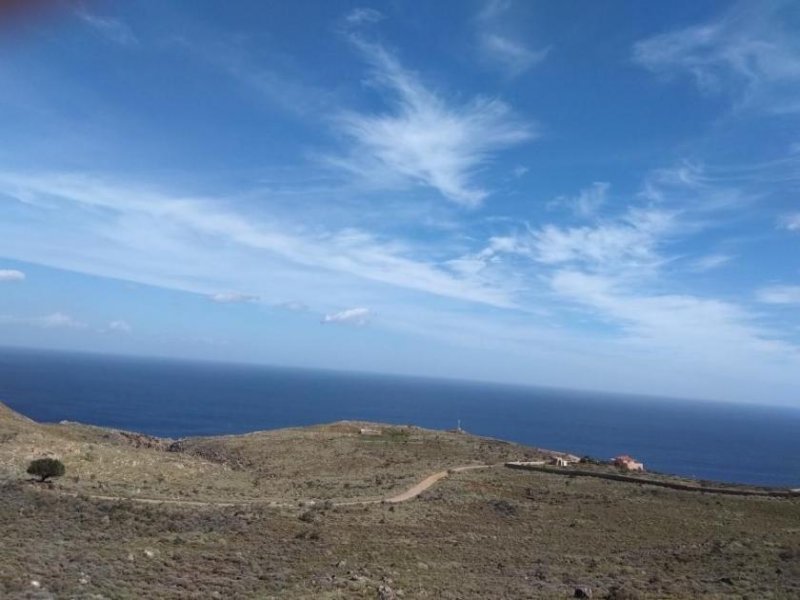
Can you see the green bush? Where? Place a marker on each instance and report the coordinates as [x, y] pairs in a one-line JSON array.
[[44, 468]]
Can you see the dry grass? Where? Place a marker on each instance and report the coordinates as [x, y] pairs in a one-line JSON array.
[[496, 533], [324, 462], [336, 462]]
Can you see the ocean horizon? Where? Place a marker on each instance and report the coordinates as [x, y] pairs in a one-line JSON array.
[[718, 441]]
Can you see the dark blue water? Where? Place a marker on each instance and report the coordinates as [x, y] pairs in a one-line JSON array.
[[716, 441]]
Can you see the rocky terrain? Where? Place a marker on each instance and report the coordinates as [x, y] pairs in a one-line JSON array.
[[303, 513]]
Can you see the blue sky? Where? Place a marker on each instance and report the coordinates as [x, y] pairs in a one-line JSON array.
[[589, 195]]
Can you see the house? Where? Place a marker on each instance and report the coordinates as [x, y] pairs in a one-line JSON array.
[[369, 431], [563, 460], [627, 463]]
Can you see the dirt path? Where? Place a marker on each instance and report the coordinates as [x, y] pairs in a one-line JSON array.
[[426, 483], [409, 494], [158, 500]]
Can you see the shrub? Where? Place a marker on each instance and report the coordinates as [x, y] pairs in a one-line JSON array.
[[44, 468], [308, 517]]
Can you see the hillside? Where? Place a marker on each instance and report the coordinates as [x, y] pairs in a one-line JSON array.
[[304, 513]]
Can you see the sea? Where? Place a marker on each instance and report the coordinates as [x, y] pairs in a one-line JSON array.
[[717, 441]]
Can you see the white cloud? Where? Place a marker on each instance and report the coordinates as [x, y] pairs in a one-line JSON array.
[[125, 230], [120, 326], [519, 171], [293, 306], [56, 320], [710, 262], [780, 294], [351, 316], [629, 243], [750, 52], [588, 201], [687, 329], [499, 46], [424, 139], [232, 298], [113, 29], [11, 275], [511, 55], [626, 246], [492, 256], [492, 9], [361, 16], [790, 222], [136, 221]]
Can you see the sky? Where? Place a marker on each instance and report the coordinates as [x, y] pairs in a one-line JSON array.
[[602, 196]]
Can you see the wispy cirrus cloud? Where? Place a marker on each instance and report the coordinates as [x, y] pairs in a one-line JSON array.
[[113, 29], [232, 298], [709, 262], [11, 275], [123, 218], [292, 305], [361, 16], [587, 202], [790, 222], [626, 244], [423, 138], [499, 46], [120, 326], [779, 294], [511, 55], [359, 317], [615, 271], [56, 320], [711, 330], [749, 52]]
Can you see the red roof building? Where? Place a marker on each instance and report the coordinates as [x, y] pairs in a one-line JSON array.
[[629, 464]]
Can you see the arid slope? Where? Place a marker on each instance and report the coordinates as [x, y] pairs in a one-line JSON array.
[[482, 533]]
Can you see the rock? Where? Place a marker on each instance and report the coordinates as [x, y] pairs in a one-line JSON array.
[[149, 553], [36, 584], [422, 566], [357, 583], [386, 593], [341, 564], [83, 579], [140, 440], [583, 591]]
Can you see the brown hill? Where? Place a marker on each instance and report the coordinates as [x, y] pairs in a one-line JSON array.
[[297, 513]]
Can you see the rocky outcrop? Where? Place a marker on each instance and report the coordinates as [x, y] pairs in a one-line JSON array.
[[140, 440]]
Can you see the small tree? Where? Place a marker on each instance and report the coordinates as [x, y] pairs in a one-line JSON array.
[[44, 468]]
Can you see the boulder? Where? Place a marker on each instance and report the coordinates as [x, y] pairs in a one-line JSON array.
[[386, 593]]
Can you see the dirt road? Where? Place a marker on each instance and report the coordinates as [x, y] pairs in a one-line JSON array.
[[426, 483], [409, 494]]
